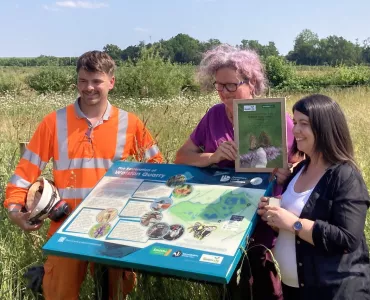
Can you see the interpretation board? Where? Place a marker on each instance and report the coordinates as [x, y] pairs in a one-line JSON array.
[[176, 220]]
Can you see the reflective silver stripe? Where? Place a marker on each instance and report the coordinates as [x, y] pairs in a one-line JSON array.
[[34, 159], [14, 207], [121, 134], [64, 163], [62, 135], [74, 193], [20, 182], [153, 150], [82, 163]]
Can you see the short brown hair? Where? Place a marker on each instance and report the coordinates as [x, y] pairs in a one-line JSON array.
[[96, 61]]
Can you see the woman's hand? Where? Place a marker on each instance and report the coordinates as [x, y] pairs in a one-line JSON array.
[[282, 174], [227, 150], [279, 217], [264, 201]]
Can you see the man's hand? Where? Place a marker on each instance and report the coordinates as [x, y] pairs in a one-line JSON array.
[[21, 219]]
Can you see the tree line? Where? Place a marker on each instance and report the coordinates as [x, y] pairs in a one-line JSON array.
[[308, 49]]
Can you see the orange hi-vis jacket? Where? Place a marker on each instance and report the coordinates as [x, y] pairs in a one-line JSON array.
[[81, 152]]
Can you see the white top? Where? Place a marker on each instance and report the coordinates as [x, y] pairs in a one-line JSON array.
[[284, 251]]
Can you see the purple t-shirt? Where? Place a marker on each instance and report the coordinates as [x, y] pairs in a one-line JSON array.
[[216, 128]]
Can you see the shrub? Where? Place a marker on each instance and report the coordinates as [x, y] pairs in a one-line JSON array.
[[349, 76], [152, 76], [9, 83], [52, 79], [279, 72]]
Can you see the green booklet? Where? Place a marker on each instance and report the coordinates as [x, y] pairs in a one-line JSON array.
[[260, 134]]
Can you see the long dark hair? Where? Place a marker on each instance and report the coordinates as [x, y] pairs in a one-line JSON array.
[[329, 127]]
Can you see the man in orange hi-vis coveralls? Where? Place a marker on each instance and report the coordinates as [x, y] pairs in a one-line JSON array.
[[83, 139]]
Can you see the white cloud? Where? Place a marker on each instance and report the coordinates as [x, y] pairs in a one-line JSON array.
[[81, 4], [50, 8], [139, 29]]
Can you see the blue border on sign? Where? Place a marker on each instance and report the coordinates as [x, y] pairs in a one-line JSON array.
[[187, 264]]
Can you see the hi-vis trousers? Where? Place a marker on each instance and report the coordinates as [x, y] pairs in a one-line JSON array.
[[64, 276]]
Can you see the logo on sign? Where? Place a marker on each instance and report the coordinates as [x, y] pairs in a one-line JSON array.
[[160, 251], [211, 259], [217, 173], [225, 178], [177, 253], [249, 108]]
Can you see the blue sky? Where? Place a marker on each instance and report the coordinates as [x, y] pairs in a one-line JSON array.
[[29, 28]]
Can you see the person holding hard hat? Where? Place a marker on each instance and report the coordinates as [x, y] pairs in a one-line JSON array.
[[43, 201], [83, 139]]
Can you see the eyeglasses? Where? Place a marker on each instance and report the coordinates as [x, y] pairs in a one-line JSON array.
[[230, 87]]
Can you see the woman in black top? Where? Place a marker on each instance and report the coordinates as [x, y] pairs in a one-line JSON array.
[[324, 224]]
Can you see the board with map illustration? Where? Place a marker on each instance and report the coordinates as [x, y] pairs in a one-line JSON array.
[[171, 219]]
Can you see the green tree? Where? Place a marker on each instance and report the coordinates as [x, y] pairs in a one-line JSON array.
[[210, 44], [279, 72], [305, 48], [262, 50], [184, 48], [335, 50], [133, 52], [365, 51], [113, 50], [271, 50], [251, 44]]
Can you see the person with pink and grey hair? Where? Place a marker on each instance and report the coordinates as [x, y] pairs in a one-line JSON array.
[[245, 63], [235, 74]]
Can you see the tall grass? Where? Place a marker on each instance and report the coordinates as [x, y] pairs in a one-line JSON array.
[[171, 120]]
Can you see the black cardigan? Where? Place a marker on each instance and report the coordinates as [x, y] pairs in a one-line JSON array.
[[337, 267]]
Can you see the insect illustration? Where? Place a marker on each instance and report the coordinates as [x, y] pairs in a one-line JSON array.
[[201, 231], [99, 230]]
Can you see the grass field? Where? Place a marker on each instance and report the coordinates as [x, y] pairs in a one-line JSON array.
[[171, 121]]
